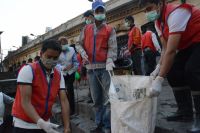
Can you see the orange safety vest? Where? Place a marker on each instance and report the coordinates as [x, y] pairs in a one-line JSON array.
[[96, 46], [192, 33], [43, 94], [147, 41], [134, 38]]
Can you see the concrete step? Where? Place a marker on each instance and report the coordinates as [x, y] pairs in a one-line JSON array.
[[81, 124]]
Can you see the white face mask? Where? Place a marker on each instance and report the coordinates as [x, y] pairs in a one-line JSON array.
[[126, 24], [65, 47], [88, 21], [49, 63], [152, 15]]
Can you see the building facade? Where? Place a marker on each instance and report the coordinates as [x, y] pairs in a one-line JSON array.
[[117, 10]]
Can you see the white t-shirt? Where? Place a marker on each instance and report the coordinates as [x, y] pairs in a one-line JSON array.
[[177, 21], [155, 42], [25, 76]]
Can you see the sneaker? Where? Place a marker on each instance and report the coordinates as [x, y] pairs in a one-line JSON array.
[[196, 126], [194, 130]]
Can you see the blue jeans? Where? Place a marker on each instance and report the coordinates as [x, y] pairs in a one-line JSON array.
[[99, 81]]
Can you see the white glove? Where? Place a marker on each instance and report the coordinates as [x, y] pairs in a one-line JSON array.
[[109, 64], [156, 87], [47, 126], [155, 72]]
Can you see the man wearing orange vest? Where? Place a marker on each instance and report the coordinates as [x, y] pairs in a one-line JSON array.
[[150, 46], [38, 85], [178, 26], [98, 46], [134, 44], [89, 19]]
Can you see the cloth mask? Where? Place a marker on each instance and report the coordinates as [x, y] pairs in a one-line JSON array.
[[100, 17]]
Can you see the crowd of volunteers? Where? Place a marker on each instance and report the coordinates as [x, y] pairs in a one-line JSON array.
[[92, 58]]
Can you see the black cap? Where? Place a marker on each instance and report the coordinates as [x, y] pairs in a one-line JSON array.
[[88, 13]]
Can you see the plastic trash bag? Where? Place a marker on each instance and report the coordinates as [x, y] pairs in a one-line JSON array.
[[131, 110], [77, 76]]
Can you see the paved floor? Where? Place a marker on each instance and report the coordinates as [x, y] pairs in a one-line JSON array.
[[166, 106]]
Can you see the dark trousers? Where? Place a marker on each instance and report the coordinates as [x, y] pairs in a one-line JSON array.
[[21, 130], [186, 72], [6, 126], [150, 61], [136, 58], [69, 80]]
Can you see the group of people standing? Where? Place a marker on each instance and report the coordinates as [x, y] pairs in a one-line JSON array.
[[39, 83], [140, 46]]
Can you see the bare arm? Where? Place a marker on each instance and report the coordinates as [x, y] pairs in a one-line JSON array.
[[169, 55], [65, 110], [164, 46], [26, 92]]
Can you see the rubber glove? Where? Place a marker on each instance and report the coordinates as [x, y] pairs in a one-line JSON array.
[[156, 87], [109, 64], [155, 72], [47, 126]]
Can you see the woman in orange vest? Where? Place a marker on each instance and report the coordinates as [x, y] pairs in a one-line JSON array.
[[178, 26], [134, 44], [39, 84]]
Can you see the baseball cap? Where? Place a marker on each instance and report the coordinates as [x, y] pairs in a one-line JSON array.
[[97, 4], [88, 13]]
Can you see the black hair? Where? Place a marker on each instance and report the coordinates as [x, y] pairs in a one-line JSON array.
[[158, 1], [30, 60], [129, 18], [23, 62], [88, 13], [183, 1], [155, 1], [51, 44], [37, 58]]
